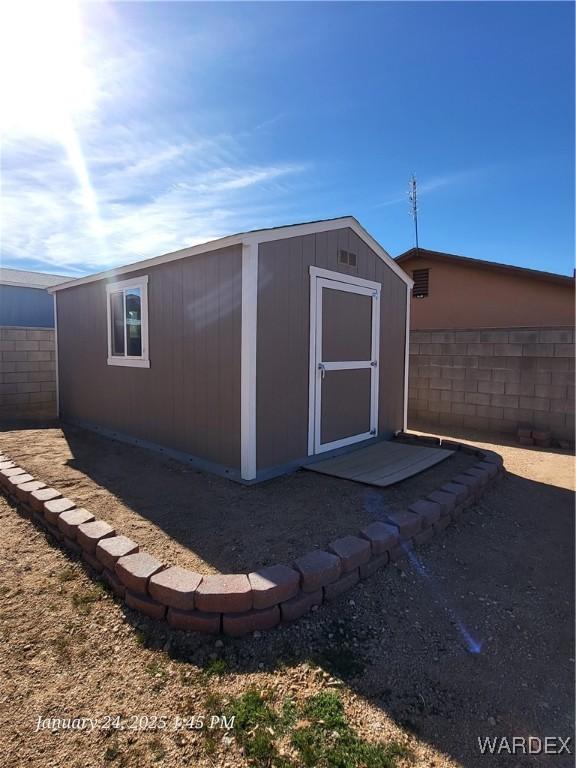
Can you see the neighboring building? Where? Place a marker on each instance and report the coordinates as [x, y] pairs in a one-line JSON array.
[[458, 292], [27, 355], [24, 300], [491, 346], [248, 355]]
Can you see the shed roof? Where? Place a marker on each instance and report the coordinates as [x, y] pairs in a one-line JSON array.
[[24, 278], [424, 253], [253, 236]]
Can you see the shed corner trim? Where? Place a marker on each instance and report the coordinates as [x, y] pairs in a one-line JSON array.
[[248, 359]]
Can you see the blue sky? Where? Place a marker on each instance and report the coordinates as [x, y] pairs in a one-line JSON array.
[[134, 129]]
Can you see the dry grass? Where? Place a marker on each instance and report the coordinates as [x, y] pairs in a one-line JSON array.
[[391, 651]]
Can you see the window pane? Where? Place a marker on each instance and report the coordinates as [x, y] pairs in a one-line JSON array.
[[117, 319], [134, 322]]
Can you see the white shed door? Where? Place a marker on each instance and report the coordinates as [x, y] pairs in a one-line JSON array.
[[344, 362]]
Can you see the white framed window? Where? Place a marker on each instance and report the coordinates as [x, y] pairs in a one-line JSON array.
[[127, 309]]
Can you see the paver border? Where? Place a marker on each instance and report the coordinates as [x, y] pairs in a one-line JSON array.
[[237, 604]]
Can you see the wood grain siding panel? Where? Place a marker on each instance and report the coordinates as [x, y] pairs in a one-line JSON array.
[[347, 326], [345, 404], [189, 398], [283, 338], [392, 347]]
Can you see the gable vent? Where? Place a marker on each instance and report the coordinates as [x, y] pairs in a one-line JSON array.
[[420, 277], [348, 258]]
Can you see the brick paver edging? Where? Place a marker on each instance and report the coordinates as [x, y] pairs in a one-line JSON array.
[[237, 604]]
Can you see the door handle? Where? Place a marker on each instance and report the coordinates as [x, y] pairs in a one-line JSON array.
[[322, 367]]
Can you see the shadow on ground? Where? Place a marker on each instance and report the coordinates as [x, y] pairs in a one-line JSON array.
[[210, 523], [472, 638]]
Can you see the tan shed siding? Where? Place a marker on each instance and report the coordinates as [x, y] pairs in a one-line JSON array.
[[393, 299], [283, 338], [189, 398]]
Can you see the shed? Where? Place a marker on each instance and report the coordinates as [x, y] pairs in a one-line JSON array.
[[249, 355]]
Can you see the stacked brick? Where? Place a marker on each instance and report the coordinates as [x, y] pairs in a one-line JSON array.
[[238, 604], [27, 373], [498, 379]]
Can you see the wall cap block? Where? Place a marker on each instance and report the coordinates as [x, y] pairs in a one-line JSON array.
[[273, 585], [407, 523], [382, 536], [135, 570], [428, 510], [224, 593], [37, 498], [317, 569], [352, 551], [460, 491], [89, 534], [110, 549], [54, 508], [445, 499], [175, 587], [69, 521]]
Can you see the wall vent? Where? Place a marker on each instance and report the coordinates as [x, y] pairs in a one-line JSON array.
[[348, 258], [420, 277]]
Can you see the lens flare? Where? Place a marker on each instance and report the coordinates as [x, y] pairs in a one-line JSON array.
[[473, 646], [47, 87], [375, 506]]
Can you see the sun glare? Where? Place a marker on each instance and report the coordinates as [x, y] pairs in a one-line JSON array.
[[45, 78], [46, 85]]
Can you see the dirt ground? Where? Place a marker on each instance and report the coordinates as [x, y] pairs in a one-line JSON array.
[[473, 638], [199, 521]]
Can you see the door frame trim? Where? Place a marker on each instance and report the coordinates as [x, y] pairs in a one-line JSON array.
[[350, 280], [341, 277]]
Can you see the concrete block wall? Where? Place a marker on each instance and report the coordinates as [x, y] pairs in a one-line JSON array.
[[494, 379], [27, 373]]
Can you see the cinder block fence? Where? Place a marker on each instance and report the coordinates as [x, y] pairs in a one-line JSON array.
[[27, 373], [496, 379]]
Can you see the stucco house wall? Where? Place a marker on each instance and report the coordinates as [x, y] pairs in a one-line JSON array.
[[463, 295]]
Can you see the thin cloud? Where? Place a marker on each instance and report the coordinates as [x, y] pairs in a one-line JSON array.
[[435, 183], [152, 197], [224, 179]]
